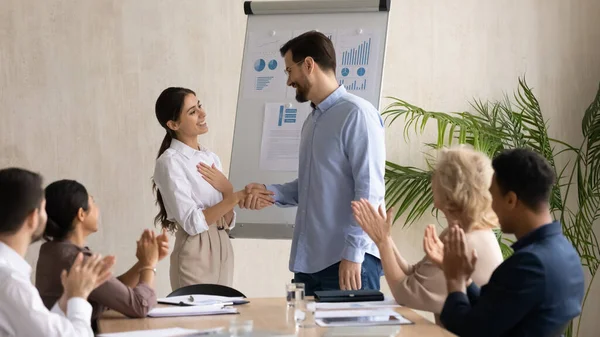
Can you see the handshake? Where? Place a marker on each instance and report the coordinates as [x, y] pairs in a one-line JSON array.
[[255, 197]]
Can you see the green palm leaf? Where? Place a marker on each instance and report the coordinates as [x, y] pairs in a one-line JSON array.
[[590, 127], [409, 190]]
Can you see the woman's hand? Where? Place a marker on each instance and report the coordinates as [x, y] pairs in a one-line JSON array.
[[148, 249], [376, 224], [215, 177], [163, 244], [433, 246]]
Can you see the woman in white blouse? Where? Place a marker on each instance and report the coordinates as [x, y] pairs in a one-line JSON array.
[[196, 200]]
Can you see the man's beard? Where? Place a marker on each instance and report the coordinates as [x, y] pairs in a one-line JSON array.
[[39, 233], [301, 93], [301, 97]]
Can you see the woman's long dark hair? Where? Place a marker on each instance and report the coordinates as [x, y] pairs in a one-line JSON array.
[[169, 106], [64, 198]]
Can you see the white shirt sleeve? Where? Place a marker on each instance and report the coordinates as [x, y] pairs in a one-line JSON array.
[[57, 310], [232, 224], [26, 315], [176, 194], [220, 167]]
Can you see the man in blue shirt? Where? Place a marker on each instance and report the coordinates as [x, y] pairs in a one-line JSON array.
[[536, 291], [342, 158]]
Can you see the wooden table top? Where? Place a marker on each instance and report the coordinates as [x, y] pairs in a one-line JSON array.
[[270, 314]]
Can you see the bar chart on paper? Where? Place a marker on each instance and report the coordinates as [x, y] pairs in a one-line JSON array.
[[286, 115], [354, 85], [356, 57], [262, 82]]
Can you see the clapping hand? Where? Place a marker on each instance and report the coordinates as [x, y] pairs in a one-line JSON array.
[[84, 276], [458, 263], [147, 249], [376, 224], [433, 246], [163, 244]]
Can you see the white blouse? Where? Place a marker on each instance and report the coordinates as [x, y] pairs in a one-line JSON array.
[[184, 191]]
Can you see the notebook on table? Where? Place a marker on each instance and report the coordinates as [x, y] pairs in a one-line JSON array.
[[348, 296]]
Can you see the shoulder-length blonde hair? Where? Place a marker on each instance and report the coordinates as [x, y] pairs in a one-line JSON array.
[[463, 176]]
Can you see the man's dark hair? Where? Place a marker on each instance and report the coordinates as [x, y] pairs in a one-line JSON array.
[[20, 194], [313, 44], [527, 174]]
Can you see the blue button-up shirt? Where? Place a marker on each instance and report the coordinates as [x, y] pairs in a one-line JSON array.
[[342, 158]]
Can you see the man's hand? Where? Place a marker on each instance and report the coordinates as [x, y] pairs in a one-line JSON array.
[[458, 263], [257, 197], [256, 186], [84, 277], [349, 274]]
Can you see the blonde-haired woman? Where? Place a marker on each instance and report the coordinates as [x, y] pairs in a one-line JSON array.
[[460, 186]]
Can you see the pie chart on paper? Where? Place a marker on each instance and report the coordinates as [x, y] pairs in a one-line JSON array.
[[259, 65], [273, 64]]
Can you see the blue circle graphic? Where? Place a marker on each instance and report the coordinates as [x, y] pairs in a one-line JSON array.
[[273, 64], [259, 65], [345, 72], [361, 71]]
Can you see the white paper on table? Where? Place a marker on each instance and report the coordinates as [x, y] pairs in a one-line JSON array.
[[264, 68], [202, 300], [371, 331], [388, 302], [171, 332], [360, 318], [191, 311], [280, 143]]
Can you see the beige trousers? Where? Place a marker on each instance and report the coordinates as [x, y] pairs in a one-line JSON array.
[[203, 258]]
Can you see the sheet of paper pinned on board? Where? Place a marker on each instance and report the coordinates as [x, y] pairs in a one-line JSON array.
[[264, 74], [282, 127]]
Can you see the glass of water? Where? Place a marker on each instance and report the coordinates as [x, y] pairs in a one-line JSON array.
[[294, 292], [303, 315], [240, 327]]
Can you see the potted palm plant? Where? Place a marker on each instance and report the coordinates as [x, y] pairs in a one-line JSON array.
[[491, 128]]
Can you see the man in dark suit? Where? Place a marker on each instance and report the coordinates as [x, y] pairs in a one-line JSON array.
[[536, 291]]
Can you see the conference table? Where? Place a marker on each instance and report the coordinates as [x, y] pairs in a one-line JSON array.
[[267, 314]]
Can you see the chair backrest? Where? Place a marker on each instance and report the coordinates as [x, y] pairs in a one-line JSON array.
[[561, 331], [207, 289]]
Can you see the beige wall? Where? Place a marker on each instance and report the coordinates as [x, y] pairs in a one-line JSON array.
[[78, 80]]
